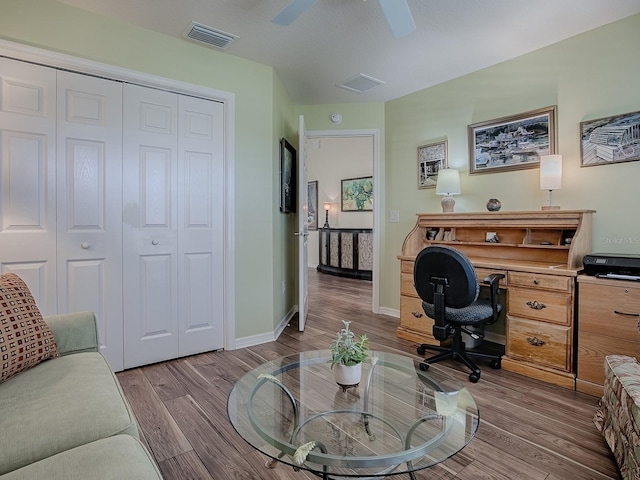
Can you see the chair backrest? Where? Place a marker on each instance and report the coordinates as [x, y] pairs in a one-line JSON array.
[[438, 262]]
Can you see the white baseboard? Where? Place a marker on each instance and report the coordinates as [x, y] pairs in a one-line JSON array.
[[392, 312], [269, 336]]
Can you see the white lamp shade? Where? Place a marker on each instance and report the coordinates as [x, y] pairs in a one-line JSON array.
[[327, 206], [550, 172], [448, 182]]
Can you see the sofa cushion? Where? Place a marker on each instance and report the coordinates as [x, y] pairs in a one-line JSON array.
[[25, 339], [58, 405], [113, 458]]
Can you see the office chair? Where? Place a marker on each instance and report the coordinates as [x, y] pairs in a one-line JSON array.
[[446, 281]]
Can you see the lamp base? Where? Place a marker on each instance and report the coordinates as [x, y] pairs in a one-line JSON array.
[[551, 207], [447, 204]]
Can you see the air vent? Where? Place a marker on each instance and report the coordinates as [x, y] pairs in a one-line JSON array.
[[215, 38], [360, 83]]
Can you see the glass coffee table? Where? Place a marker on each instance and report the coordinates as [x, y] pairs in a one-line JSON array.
[[398, 420]]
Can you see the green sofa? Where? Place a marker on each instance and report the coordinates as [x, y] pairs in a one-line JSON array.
[[67, 417]]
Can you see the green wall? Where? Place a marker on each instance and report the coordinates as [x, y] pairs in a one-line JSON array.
[[590, 76], [262, 115]]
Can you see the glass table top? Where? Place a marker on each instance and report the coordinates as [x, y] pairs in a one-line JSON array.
[[399, 419]]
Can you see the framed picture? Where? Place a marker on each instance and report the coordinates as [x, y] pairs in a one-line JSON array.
[[287, 177], [431, 158], [610, 140], [357, 194], [512, 143], [312, 205]]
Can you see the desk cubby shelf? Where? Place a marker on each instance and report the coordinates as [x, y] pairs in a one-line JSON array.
[[539, 252]]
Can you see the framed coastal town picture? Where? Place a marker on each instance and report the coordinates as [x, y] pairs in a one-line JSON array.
[[512, 143], [432, 157], [610, 140]]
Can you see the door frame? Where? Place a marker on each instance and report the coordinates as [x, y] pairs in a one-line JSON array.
[[378, 199], [48, 58]]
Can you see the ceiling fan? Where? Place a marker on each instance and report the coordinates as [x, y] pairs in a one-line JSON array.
[[396, 12]]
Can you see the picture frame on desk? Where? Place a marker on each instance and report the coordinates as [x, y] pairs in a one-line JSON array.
[[432, 157], [510, 143], [608, 140]]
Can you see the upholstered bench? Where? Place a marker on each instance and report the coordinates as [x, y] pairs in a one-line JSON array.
[[618, 414]]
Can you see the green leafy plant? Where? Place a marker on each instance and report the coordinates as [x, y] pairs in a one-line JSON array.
[[347, 349]]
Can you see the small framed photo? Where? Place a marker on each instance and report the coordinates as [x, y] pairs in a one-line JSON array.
[[431, 158], [512, 143], [609, 140], [357, 194]]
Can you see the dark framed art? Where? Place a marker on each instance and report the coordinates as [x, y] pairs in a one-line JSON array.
[[432, 157], [357, 194], [512, 143], [312, 205], [287, 177], [609, 140]]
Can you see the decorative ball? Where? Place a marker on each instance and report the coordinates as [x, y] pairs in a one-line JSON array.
[[494, 205]]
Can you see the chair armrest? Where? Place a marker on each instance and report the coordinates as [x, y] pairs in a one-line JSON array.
[[74, 332], [493, 281]]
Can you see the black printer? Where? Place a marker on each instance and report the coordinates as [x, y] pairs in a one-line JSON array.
[[621, 266]]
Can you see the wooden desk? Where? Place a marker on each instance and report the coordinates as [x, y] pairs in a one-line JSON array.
[[540, 253]]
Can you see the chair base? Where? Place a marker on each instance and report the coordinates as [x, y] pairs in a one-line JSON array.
[[458, 352]]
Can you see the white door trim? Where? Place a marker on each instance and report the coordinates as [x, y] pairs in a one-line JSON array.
[[67, 62], [377, 204]]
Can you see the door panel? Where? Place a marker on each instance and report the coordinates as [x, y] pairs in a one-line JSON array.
[[27, 178], [303, 229], [89, 267]]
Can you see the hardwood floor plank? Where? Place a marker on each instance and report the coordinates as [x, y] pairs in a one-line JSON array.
[[529, 430]]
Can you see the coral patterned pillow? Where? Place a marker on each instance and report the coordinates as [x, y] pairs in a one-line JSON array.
[[25, 338]]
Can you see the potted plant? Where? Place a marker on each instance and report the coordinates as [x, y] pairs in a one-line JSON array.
[[347, 354]]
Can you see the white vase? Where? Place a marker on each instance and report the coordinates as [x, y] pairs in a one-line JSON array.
[[347, 376]]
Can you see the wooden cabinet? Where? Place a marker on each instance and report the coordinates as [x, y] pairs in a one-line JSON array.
[[540, 253], [346, 252], [609, 324]]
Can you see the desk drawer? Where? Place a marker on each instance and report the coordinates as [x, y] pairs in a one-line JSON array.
[[610, 311], [540, 343], [406, 285], [412, 316], [591, 352], [535, 280], [540, 305]]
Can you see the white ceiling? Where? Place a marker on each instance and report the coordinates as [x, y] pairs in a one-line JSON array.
[[335, 40]]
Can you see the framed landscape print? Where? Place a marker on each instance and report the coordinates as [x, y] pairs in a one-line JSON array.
[[431, 159], [512, 143], [610, 140], [287, 177], [312, 205], [357, 194]]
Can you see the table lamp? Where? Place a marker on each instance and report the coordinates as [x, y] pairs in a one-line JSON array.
[[448, 185], [327, 207], [550, 177]]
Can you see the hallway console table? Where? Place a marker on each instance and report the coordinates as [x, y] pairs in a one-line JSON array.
[[346, 252], [540, 253]]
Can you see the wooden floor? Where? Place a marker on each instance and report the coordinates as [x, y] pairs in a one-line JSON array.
[[529, 430]]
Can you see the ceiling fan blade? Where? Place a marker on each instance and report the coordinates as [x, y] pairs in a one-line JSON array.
[[292, 11], [398, 17]]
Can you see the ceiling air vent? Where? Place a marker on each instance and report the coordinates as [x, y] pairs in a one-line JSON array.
[[360, 83], [210, 36]]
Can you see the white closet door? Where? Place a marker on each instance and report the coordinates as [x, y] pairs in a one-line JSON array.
[[27, 178], [90, 205], [200, 220], [150, 226]]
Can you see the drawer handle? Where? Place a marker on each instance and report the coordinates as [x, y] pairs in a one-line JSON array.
[[535, 341], [536, 282], [536, 305], [416, 314], [626, 314]]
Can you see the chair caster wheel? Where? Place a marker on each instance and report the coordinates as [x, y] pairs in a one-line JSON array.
[[421, 350], [474, 377], [424, 367], [496, 364]]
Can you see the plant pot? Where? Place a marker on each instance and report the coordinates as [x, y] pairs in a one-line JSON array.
[[347, 376]]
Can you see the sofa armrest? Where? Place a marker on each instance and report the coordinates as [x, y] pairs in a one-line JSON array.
[[74, 332]]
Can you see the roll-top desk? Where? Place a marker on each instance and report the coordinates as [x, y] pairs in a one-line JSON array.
[[540, 253]]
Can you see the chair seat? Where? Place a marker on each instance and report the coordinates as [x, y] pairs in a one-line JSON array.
[[475, 314]]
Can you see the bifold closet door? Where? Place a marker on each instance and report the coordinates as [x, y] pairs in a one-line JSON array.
[[89, 171], [173, 171], [27, 178]]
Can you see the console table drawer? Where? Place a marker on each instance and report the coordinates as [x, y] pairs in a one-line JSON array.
[[535, 280], [540, 343], [541, 305]]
